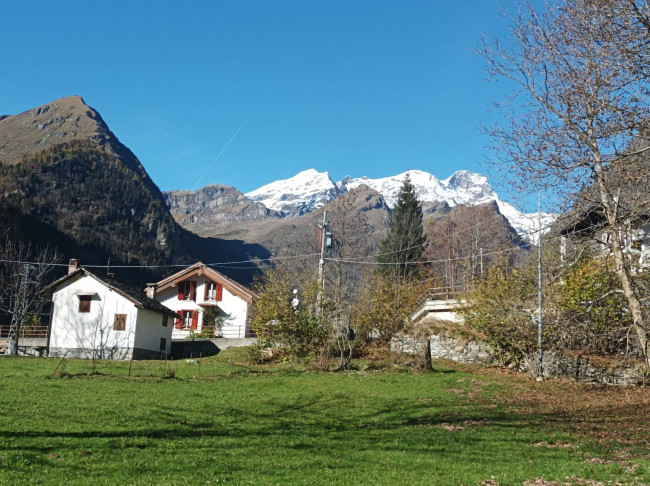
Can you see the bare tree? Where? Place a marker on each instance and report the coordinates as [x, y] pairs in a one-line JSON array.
[[23, 274], [580, 112], [466, 242], [351, 233], [101, 337]]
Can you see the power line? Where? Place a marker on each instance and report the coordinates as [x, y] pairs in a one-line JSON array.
[[286, 260], [359, 262]]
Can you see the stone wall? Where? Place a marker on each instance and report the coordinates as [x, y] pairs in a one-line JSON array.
[[587, 369], [445, 346], [555, 365]]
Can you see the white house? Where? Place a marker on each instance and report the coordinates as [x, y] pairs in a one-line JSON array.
[[198, 291], [97, 315]]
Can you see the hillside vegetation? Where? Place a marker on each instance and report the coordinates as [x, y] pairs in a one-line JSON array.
[[87, 194]]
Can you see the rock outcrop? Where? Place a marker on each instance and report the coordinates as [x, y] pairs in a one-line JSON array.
[[214, 205]]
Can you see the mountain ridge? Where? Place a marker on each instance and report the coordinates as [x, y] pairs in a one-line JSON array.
[[64, 173], [297, 195]]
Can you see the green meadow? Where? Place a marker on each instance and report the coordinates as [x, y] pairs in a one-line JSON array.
[[218, 421]]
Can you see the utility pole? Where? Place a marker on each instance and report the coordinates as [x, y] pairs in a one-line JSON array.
[[539, 287], [321, 250], [325, 240]]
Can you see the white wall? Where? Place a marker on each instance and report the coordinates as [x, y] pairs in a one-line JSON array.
[[150, 330], [234, 325], [235, 307]]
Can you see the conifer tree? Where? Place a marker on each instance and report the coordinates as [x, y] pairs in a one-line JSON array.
[[402, 246]]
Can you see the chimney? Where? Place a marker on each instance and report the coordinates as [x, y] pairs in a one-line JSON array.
[[73, 265], [150, 290]]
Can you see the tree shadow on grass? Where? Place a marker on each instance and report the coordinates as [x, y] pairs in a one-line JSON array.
[[323, 417]]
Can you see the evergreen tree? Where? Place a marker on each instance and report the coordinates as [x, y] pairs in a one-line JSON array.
[[403, 244]]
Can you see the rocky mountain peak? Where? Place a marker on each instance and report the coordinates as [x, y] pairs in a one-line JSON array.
[[465, 179], [213, 205], [63, 120], [364, 198]]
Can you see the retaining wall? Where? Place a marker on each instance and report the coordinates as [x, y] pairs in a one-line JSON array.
[[186, 348], [580, 368], [445, 346], [583, 368]]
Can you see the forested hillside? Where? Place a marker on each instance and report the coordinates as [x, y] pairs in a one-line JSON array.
[[66, 181]]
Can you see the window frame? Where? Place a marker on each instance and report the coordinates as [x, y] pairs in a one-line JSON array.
[[213, 292], [187, 290], [85, 303], [119, 322], [210, 291]]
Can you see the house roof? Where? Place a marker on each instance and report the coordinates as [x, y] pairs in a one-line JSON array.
[[582, 220], [129, 292], [201, 269], [628, 182]]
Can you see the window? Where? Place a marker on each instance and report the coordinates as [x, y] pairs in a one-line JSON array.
[[187, 319], [187, 290], [210, 290], [165, 320], [213, 291], [163, 344], [84, 303], [120, 322]]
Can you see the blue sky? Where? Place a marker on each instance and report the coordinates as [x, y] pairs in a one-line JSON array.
[[355, 88]]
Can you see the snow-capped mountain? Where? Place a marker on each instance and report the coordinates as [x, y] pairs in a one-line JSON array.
[[311, 189], [463, 187], [300, 194]]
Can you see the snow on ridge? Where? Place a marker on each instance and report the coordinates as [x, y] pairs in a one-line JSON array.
[[528, 225], [309, 190], [462, 187], [304, 192]]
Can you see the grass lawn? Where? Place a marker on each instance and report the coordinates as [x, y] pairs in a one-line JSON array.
[[227, 424]]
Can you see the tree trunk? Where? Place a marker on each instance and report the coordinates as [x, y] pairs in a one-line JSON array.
[[612, 214], [427, 358], [630, 295]]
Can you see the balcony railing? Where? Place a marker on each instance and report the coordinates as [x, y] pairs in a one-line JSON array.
[[228, 332], [36, 332], [441, 293]]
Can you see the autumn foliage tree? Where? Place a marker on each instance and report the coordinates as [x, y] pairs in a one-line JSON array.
[[593, 313], [583, 308], [579, 113], [299, 330], [384, 305]]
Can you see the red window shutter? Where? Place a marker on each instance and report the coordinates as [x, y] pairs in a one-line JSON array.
[[179, 320], [193, 290], [181, 289], [205, 290], [219, 292], [195, 319]]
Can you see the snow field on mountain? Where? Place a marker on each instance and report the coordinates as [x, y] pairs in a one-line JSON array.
[[310, 190]]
